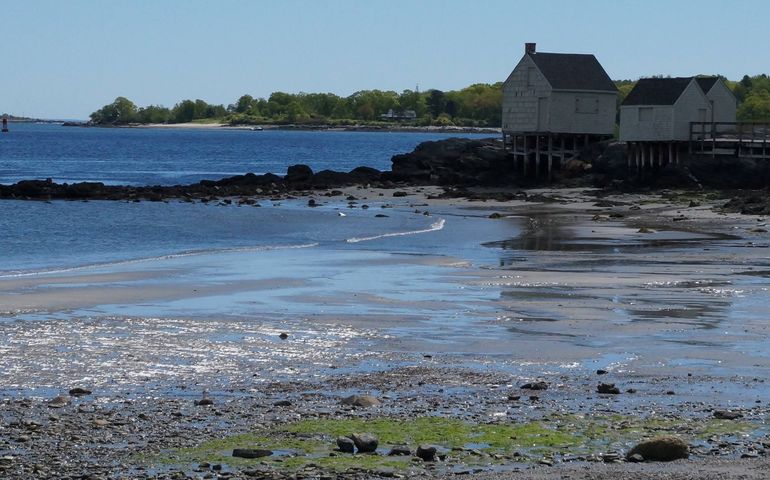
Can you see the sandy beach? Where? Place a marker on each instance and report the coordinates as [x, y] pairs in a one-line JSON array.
[[660, 294]]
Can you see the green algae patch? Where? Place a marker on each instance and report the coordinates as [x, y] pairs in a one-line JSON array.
[[311, 443]]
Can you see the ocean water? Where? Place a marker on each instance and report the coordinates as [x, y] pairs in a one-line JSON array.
[[180, 156], [52, 236]]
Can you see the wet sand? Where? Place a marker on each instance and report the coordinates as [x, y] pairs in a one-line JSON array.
[[667, 296]]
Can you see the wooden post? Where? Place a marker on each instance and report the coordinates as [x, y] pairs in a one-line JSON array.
[[563, 153], [629, 151], [677, 154], [526, 154], [638, 155], [644, 154], [764, 140], [740, 140], [753, 127], [660, 154], [550, 156], [670, 152], [537, 156]]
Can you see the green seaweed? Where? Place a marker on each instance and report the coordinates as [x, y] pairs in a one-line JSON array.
[[311, 441]]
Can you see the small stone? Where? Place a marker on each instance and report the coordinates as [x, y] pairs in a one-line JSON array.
[[514, 398], [635, 458], [750, 455], [535, 386], [251, 452], [283, 336], [400, 450], [365, 442], [631, 390], [670, 392], [608, 388], [399, 193], [59, 402], [363, 401], [426, 452], [727, 415], [346, 445], [311, 203], [495, 215], [602, 372], [100, 422], [77, 392], [663, 449], [282, 403], [203, 402]]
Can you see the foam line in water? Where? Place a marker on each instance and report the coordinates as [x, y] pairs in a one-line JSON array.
[[170, 256], [434, 227]]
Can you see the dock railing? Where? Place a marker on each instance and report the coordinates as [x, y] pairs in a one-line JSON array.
[[738, 139]]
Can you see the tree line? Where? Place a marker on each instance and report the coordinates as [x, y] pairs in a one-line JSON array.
[[479, 105]]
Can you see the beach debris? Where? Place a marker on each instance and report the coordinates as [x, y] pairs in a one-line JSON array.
[[381, 215], [400, 450], [78, 392], [426, 452], [346, 445], [727, 415], [644, 230], [58, 402], [539, 385], [608, 388], [661, 449], [341, 214], [365, 442], [283, 335], [363, 401], [251, 452]]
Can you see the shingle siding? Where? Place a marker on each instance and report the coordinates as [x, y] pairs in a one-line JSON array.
[[523, 91]]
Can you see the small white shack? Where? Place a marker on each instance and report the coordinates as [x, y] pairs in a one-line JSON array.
[[552, 102], [724, 105], [655, 118]]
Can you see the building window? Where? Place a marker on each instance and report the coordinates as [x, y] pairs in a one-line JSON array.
[[645, 114]]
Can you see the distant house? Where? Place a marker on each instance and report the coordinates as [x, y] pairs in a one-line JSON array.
[[724, 105], [404, 115], [558, 93], [661, 109]]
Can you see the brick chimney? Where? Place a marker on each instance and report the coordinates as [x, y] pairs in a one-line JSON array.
[[529, 48]]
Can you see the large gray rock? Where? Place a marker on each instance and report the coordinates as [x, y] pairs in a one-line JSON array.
[[426, 452], [365, 442], [363, 401], [346, 445], [661, 449]]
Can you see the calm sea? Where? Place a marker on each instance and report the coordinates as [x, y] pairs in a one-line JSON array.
[[43, 236], [180, 156]]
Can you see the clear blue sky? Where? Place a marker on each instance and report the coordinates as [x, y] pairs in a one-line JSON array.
[[66, 58]]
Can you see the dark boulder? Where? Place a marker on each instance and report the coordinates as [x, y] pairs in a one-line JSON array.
[[298, 174]]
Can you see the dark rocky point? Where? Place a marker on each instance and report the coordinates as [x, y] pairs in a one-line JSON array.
[[251, 452]]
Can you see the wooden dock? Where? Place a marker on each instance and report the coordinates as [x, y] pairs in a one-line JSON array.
[[735, 139]]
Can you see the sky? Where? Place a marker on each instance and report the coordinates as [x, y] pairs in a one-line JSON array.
[[66, 58]]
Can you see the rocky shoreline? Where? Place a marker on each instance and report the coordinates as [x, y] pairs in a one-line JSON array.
[[460, 165]]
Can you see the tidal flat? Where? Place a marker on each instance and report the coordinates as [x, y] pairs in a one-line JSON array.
[[662, 295]]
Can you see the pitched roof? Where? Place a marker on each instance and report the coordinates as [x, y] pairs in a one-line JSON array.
[[657, 91], [572, 71], [706, 83]]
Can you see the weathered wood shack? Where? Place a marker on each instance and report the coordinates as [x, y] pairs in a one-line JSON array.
[[555, 104], [558, 93], [724, 105], [661, 109]]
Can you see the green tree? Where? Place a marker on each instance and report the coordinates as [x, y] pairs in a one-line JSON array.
[[183, 112], [120, 111], [755, 108]]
